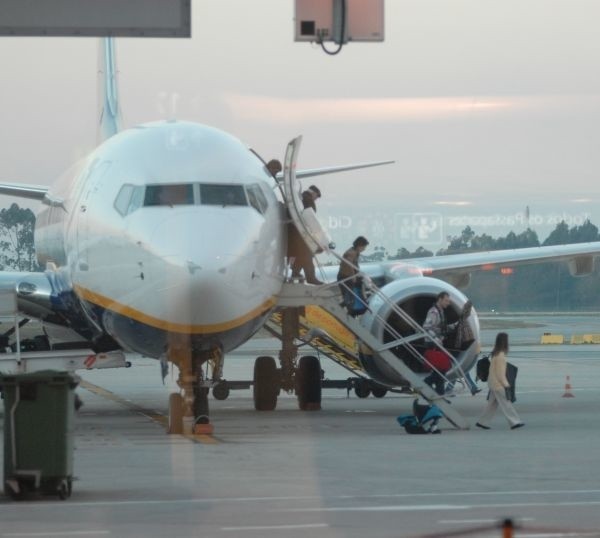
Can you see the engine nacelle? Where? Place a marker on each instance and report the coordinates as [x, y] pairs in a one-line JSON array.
[[415, 296]]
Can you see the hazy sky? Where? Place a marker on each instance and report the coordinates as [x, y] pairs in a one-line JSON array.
[[492, 104]]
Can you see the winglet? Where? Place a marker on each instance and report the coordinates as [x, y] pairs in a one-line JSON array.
[[108, 91]]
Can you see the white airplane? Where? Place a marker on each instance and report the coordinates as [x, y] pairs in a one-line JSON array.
[[169, 240]]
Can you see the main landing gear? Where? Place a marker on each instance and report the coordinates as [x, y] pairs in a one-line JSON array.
[[266, 384], [304, 378], [308, 384]]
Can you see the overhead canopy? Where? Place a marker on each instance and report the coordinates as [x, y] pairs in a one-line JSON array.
[[127, 18]]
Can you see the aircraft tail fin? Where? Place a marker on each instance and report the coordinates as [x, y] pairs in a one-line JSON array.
[[108, 91]]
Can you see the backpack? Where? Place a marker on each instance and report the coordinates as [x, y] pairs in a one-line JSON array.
[[482, 369]]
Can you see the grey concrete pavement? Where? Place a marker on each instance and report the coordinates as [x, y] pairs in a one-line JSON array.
[[346, 471]]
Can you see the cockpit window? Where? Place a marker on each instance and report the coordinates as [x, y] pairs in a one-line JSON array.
[[257, 198], [129, 199], [169, 195], [132, 197], [123, 198], [222, 195], [137, 198]]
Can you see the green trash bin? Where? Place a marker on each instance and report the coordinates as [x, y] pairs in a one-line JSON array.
[[38, 433]]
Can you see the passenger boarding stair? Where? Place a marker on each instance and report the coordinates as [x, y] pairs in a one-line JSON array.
[[325, 334], [328, 297]]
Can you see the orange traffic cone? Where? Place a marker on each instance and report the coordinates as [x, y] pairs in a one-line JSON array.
[[568, 393]]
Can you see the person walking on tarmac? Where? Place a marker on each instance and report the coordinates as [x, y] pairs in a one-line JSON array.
[[297, 247], [499, 386], [348, 276]]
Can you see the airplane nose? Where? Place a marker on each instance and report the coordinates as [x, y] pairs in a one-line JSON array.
[[204, 268], [202, 242]]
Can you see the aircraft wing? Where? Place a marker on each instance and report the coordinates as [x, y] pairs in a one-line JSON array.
[[22, 190], [580, 258], [310, 172]]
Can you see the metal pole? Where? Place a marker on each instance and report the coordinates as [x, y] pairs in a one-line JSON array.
[[13, 429], [18, 339], [339, 22]]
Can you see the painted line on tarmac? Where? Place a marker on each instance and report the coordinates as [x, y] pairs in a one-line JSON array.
[[557, 391], [61, 533], [297, 498], [392, 508], [525, 534], [277, 527], [470, 521], [154, 416], [441, 507]]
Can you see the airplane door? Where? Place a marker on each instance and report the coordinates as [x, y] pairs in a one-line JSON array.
[[305, 220]]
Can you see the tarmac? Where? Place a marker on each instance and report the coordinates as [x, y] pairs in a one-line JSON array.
[[348, 470]]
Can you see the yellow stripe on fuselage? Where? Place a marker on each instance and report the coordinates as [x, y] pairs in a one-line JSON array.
[[184, 328]]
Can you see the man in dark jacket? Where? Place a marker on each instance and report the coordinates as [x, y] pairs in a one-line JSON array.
[[297, 247], [349, 277]]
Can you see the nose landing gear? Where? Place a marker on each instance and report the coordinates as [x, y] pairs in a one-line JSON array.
[[189, 411], [176, 408]]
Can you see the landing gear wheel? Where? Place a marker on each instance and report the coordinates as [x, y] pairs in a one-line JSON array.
[[266, 384], [14, 489], [308, 384], [64, 490], [221, 391], [362, 388], [378, 392], [175, 414], [201, 415]]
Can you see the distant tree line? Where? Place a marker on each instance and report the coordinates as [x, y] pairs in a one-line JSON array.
[[17, 251], [543, 286]]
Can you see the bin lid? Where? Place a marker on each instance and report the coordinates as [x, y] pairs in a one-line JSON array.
[[42, 376]]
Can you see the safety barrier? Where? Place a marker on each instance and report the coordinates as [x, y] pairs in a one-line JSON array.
[[548, 338], [585, 339], [557, 339]]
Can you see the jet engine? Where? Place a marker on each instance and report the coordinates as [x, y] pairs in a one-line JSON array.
[[414, 295]]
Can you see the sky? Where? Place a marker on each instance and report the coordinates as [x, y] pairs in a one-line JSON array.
[[488, 107]]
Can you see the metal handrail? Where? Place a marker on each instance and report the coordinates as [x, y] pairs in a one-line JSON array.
[[399, 338]]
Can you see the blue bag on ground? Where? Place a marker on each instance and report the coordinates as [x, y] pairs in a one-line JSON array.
[[423, 420]]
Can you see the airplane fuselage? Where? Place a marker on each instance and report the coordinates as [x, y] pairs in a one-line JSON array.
[[168, 228]]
